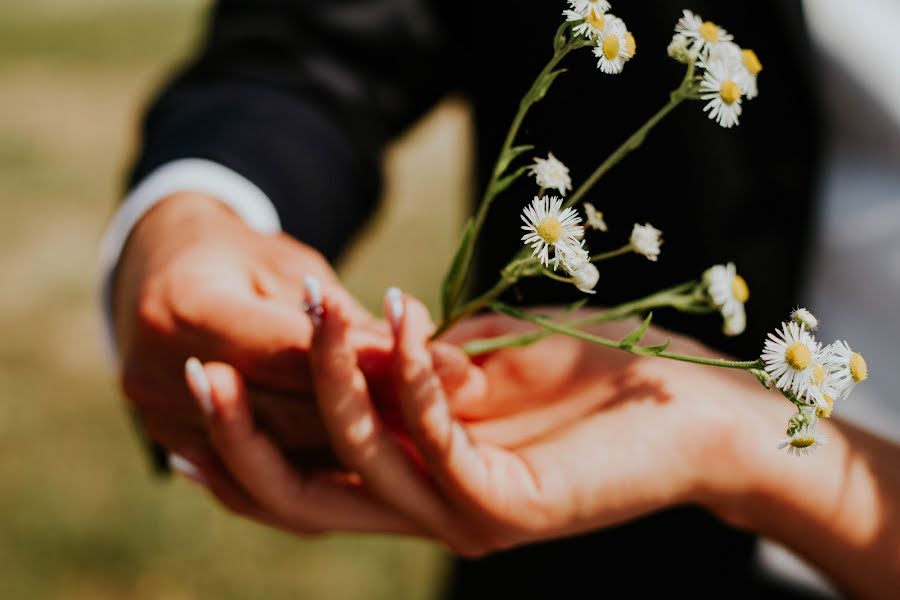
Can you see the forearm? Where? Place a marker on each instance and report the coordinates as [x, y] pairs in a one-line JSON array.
[[838, 507]]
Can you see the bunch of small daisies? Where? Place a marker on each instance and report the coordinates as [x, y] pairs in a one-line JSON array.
[[719, 72], [811, 376], [730, 71]]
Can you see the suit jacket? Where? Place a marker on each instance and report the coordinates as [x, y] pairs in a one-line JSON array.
[[301, 97]]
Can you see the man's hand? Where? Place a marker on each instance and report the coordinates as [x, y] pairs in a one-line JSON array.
[[194, 280]]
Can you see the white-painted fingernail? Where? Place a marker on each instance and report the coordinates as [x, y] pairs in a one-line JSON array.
[[186, 469], [199, 383], [313, 304], [393, 300]]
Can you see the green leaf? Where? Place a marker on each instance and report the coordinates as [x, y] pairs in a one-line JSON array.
[[455, 277], [655, 350], [561, 39], [543, 86], [635, 336], [509, 156], [507, 181]]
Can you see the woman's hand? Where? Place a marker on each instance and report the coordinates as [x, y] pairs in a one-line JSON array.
[[597, 436]]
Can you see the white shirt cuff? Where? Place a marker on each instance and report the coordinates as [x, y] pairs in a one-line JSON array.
[[184, 175]]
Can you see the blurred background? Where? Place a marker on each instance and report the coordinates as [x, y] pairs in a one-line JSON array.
[[80, 516]]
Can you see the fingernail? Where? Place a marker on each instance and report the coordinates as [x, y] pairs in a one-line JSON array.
[[313, 304], [393, 300], [199, 384], [186, 469]]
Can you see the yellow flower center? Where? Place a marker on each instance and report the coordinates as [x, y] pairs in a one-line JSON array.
[[797, 356], [611, 47], [824, 412], [858, 369], [803, 442], [818, 375], [751, 62], [630, 45], [730, 92], [595, 20], [550, 230], [739, 289], [709, 31]]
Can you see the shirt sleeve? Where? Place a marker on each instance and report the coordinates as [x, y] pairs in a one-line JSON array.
[[187, 174]]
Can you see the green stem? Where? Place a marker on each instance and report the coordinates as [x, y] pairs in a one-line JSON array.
[[548, 273], [511, 274], [673, 297], [499, 181], [744, 365], [612, 253], [503, 159], [632, 143], [683, 92]]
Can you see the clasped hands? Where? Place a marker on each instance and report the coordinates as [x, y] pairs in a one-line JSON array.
[[348, 423]]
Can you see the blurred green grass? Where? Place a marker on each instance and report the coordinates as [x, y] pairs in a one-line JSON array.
[[80, 516]]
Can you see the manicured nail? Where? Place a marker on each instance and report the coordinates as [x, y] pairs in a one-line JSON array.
[[313, 304], [186, 469], [199, 384], [393, 304]]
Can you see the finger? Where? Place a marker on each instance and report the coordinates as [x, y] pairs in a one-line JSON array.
[[446, 447], [314, 502], [359, 436], [465, 384], [200, 465]]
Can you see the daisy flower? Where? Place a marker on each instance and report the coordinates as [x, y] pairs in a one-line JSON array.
[[550, 173], [790, 355], [846, 366], [802, 442], [594, 217], [735, 324], [584, 274], [680, 49], [821, 389], [591, 13], [645, 239], [804, 317], [547, 226], [744, 63], [728, 292], [630, 45], [752, 68], [612, 46], [703, 35], [721, 88]]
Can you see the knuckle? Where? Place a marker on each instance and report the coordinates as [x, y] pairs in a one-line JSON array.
[[153, 314]]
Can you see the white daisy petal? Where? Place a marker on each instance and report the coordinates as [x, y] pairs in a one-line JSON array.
[[848, 368], [584, 274], [645, 240], [803, 442], [721, 87], [702, 35], [589, 14], [550, 173], [728, 292], [804, 317], [790, 356], [594, 217], [613, 47], [548, 226]]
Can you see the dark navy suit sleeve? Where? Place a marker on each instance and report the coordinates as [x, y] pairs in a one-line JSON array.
[[299, 97]]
